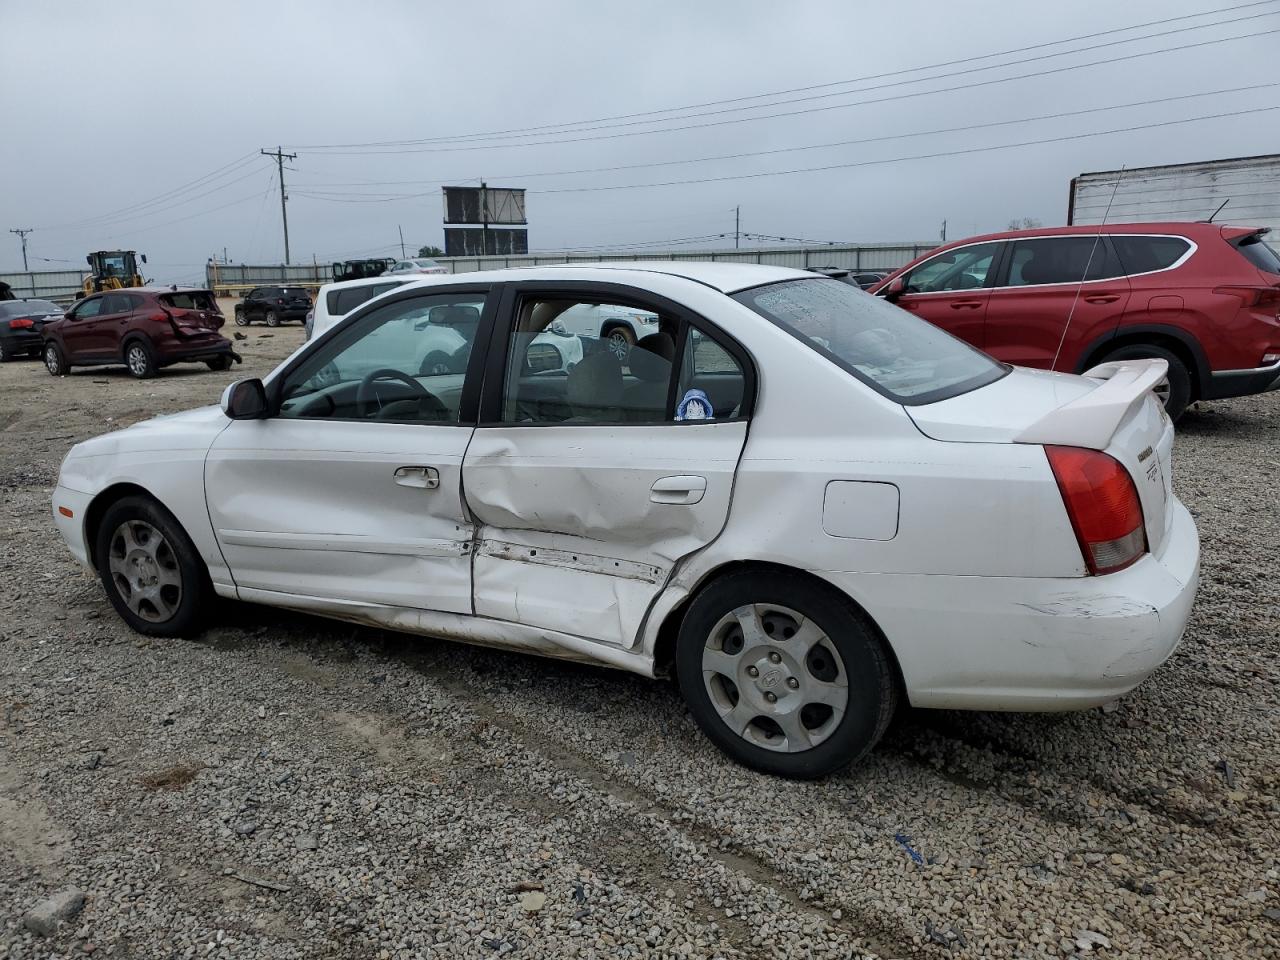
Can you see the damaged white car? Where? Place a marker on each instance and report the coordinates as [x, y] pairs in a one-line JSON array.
[[806, 504]]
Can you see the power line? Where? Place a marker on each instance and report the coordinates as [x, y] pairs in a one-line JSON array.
[[548, 128], [923, 156], [349, 197]]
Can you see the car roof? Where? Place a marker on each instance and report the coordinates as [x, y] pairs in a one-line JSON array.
[[725, 277], [361, 282], [1181, 227]]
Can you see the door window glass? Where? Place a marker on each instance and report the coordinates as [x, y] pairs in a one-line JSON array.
[[342, 302], [404, 363], [964, 268], [116, 303], [711, 384], [1062, 260], [1145, 254], [573, 361], [90, 308]]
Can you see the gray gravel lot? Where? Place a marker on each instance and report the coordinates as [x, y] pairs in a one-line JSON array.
[[284, 786]]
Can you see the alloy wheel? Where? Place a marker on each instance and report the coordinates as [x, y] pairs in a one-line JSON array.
[[775, 678], [145, 571], [619, 345], [52, 362], [138, 361]]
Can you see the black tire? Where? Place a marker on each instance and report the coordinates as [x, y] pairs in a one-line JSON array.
[[865, 666], [1178, 394], [54, 361], [178, 556], [272, 318], [220, 362], [6, 351], [139, 359], [619, 341], [241, 319]]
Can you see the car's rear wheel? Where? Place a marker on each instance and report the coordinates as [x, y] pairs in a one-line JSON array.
[[620, 340], [784, 674], [1175, 390], [273, 319], [6, 351], [151, 570], [220, 362], [54, 361], [140, 360]]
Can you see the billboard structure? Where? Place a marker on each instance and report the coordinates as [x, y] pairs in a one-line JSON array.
[[479, 209]]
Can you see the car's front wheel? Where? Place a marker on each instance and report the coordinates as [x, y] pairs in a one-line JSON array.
[[138, 357], [620, 340], [54, 361], [152, 573], [241, 319], [784, 674]]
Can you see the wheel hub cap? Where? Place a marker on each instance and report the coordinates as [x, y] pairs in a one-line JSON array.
[[775, 678], [144, 571]]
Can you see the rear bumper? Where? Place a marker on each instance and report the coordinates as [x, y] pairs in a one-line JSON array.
[[24, 341], [1241, 383], [187, 353], [1045, 644]]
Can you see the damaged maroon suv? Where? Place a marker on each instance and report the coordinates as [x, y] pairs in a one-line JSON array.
[[144, 328]]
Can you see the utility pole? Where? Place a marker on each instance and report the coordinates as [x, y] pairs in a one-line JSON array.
[[484, 216], [944, 231], [284, 197], [22, 235], [737, 226], [398, 227]]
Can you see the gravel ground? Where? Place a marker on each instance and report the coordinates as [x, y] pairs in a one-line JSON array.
[[284, 786]]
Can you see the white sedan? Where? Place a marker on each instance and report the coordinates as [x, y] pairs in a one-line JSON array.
[[414, 267], [806, 504]]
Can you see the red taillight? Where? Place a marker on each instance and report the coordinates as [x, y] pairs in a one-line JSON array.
[[1103, 505], [22, 323], [279, 299], [159, 317]]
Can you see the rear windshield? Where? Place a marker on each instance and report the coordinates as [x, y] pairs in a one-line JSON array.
[[28, 308], [293, 292], [341, 302], [899, 355], [1258, 252], [199, 300]]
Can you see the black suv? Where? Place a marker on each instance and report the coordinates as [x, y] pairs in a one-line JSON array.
[[273, 305]]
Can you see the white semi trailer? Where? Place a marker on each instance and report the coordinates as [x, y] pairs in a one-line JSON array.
[[1250, 187]]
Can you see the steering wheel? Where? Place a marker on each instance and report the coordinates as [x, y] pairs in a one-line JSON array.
[[365, 396]]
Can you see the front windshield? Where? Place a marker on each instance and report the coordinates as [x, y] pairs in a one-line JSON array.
[[900, 355]]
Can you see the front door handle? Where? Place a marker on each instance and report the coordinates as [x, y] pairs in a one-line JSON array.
[[1102, 298], [966, 304], [678, 490], [426, 478]]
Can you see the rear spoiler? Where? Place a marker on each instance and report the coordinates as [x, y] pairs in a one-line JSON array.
[[1091, 420]]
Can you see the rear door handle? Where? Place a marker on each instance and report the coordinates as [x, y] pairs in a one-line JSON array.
[[963, 304], [678, 490], [1102, 298], [426, 478]]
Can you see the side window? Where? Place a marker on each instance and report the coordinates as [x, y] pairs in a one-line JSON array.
[[342, 302], [965, 268], [1061, 260], [573, 361], [1145, 254], [87, 309], [712, 383], [403, 363]]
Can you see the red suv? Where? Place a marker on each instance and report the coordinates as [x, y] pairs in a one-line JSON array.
[[145, 328], [1202, 296]]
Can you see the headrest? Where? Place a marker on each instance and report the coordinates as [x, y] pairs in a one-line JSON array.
[[596, 381], [651, 358], [455, 315]]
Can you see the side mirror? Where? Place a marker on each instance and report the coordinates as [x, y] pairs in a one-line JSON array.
[[896, 288], [245, 400], [144, 258], [89, 261]]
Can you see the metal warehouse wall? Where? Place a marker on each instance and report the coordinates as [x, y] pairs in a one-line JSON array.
[[1183, 191], [45, 284], [861, 256]]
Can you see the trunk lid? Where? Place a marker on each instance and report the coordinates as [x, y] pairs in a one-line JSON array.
[[1111, 408], [193, 314]]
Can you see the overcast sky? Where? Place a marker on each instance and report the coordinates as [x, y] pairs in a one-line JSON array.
[[137, 125]]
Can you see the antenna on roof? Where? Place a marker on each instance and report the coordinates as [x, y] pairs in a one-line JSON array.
[[1097, 241], [1219, 210]]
